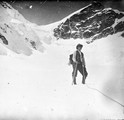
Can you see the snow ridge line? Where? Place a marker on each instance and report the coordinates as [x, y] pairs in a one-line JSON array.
[[105, 95]]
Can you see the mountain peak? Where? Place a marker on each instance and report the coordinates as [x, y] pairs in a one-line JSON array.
[[91, 22]]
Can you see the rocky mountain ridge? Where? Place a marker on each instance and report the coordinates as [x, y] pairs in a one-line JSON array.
[[92, 22], [89, 24]]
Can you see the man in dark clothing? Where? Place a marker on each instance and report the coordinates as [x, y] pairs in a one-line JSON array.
[[79, 64]]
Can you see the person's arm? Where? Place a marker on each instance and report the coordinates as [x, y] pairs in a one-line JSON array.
[[74, 57], [84, 61]]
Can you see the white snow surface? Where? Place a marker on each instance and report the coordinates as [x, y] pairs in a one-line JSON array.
[[39, 86]]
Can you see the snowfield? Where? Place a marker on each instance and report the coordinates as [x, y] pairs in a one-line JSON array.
[[40, 86]]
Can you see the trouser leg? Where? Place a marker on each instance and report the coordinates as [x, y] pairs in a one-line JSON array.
[[81, 70], [74, 73]]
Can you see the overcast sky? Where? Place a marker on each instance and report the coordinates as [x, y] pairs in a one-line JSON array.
[[44, 12]]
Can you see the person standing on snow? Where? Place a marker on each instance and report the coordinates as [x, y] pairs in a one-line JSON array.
[[79, 64]]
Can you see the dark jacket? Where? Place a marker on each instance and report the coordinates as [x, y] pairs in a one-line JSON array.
[[78, 58]]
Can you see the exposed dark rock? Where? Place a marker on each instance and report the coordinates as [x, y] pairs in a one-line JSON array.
[[7, 26], [33, 44], [104, 33], [119, 27], [27, 39], [88, 34], [3, 29], [4, 40], [5, 5], [94, 22], [122, 34]]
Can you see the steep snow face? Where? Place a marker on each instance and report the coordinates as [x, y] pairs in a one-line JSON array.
[[91, 23], [7, 9], [16, 32]]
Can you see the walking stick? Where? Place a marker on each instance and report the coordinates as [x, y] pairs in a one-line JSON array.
[[75, 69]]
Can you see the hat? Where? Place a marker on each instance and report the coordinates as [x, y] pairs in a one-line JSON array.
[[79, 45]]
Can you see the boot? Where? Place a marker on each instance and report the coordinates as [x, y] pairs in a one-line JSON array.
[[83, 80], [74, 80]]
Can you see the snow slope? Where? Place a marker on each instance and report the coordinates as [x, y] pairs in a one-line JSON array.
[[39, 86], [16, 32]]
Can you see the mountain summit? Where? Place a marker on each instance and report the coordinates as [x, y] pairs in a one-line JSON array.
[[92, 22], [89, 23]]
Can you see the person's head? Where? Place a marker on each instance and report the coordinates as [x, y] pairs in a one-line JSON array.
[[79, 46]]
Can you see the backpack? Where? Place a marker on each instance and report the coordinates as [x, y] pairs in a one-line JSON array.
[[70, 59]]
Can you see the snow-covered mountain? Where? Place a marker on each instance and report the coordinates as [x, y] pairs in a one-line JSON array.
[[89, 23], [38, 87], [16, 32]]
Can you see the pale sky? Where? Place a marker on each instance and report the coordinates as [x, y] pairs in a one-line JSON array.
[[44, 12]]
